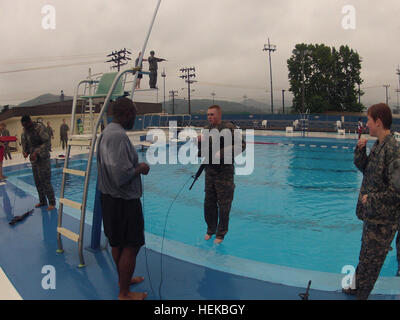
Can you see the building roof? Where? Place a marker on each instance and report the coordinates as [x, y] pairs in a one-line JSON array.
[[65, 107]]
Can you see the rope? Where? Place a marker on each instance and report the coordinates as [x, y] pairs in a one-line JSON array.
[[165, 227], [145, 247]]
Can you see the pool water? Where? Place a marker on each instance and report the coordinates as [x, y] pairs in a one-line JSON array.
[[296, 209]]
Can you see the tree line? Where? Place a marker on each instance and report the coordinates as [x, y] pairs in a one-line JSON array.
[[325, 79]]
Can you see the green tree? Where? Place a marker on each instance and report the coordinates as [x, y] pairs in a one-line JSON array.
[[331, 78]]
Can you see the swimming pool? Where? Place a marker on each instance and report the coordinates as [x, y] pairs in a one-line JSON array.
[[297, 209]]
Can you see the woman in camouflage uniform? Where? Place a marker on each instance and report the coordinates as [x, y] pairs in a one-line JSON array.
[[379, 200]]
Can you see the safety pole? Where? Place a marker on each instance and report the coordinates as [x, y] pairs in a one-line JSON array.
[[144, 47]]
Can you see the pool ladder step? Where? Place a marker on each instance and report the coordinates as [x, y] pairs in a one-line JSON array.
[[80, 141], [75, 172], [70, 203], [68, 233]]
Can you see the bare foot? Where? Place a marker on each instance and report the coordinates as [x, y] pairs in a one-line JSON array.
[[207, 237], [218, 240], [40, 205], [50, 207], [136, 280], [133, 296]]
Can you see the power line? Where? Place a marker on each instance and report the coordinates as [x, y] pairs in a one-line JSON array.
[[53, 67], [48, 58]]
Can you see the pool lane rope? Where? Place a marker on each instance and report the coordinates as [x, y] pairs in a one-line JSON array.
[[163, 237]]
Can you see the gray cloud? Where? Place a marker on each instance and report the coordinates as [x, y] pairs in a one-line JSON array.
[[223, 39]]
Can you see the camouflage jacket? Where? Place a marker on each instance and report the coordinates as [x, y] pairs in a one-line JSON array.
[[381, 182], [223, 125], [37, 139]]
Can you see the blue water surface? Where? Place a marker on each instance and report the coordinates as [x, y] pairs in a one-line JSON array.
[[296, 209]]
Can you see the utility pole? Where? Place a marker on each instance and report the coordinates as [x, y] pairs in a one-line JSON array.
[[164, 75], [119, 58], [172, 94], [386, 86], [283, 100], [213, 95], [187, 75], [270, 47], [398, 88], [398, 73]]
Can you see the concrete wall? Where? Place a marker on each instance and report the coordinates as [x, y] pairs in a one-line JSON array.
[[15, 128]]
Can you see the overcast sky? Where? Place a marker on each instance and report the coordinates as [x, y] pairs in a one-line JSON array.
[[222, 39]]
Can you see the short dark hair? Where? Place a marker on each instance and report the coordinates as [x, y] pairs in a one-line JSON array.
[[26, 118], [120, 106], [381, 111], [216, 107]]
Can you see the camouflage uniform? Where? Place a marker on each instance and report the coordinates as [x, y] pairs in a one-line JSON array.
[[380, 214], [219, 188], [51, 134], [38, 140], [64, 135], [7, 153]]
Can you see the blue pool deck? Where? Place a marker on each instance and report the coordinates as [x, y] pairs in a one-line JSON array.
[[29, 246]]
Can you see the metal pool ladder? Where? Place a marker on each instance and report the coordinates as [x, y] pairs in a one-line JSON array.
[[89, 141]]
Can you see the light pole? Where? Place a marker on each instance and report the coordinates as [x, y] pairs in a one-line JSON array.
[[213, 95], [283, 100], [164, 75], [302, 53], [270, 47], [398, 88], [187, 75], [386, 86], [172, 95]]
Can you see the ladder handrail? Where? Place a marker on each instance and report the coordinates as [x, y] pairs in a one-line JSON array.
[[62, 190], [73, 111]]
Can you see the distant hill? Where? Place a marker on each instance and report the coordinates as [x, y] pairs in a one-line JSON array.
[[201, 106], [181, 105], [43, 99]]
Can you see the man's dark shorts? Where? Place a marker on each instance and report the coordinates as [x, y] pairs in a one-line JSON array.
[[123, 221]]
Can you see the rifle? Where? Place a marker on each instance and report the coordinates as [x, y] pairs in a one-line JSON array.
[[197, 175], [304, 296]]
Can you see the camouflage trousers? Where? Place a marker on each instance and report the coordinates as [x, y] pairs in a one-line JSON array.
[[64, 142], [42, 175], [376, 240], [219, 189], [398, 248]]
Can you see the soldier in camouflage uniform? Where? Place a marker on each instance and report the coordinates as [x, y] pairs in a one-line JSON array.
[[398, 253], [219, 181], [36, 143], [379, 200]]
